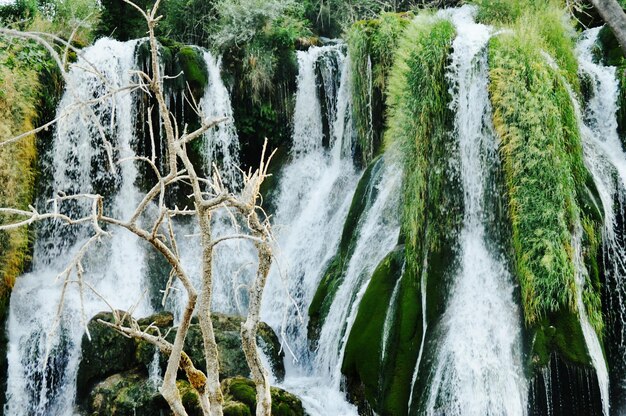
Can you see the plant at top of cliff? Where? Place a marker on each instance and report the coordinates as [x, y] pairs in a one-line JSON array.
[[371, 45], [241, 20], [540, 145], [153, 222], [547, 22]]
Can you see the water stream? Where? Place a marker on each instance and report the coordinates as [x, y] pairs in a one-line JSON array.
[[478, 369], [44, 344]]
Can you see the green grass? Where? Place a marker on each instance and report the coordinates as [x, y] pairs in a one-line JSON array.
[[418, 124], [371, 44], [19, 94], [548, 186]]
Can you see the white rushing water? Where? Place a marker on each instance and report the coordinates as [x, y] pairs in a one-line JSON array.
[[606, 160], [43, 353], [478, 367], [221, 143], [234, 261], [314, 196], [378, 233]]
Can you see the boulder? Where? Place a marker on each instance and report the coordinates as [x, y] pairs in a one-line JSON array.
[[240, 399], [108, 352]]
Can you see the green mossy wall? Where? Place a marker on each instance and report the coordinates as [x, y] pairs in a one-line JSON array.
[[550, 192], [371, 46], [363, 362]]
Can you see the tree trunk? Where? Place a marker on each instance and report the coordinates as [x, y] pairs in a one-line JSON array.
[[615, 18], [249, 331], [213, 389]]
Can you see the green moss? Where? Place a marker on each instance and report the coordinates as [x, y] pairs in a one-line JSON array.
[[236, 409], [333, 276], [545, 175], [242, 390], [559, 332], [194, 67], [371, 44], [363, 361]]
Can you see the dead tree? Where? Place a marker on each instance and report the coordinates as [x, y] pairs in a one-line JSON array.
[[614, 16], [209, 195]]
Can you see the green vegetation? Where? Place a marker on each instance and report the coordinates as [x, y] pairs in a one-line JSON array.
[[560, 332], [551, 194], [242, 390], [371, 44], [333, 277], [363, 361], [17, 109], [544, 22], [418, 123], [540, 146]]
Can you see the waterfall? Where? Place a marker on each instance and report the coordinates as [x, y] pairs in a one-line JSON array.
[[606, 160], [378, 234], [43, 358], [478, 366], [234, 261], [44, 352], [221, 143], [315, 192]]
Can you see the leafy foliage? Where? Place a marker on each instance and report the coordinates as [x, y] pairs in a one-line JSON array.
[[418, 123], [371, 44], [545, 175]]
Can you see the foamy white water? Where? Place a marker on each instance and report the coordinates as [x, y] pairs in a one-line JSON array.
[[478, 366], [43, 353]]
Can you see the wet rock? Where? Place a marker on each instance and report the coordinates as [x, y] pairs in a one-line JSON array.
[[240, 393], [106, 353]]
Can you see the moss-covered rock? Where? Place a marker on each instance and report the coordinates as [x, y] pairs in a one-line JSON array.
[[559, 333], [364, 195], [109, 352], [194, 67], [240, 391], [363, 361], [126, 394], [106, 353]]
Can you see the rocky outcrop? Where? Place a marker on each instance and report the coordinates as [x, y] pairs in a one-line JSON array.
[[113, 372], [133, 394]]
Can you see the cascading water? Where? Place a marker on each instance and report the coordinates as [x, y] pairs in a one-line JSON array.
[[221, 143], [234, 260], [314, 196], [478, 365], [378, 234], [606, 160], [44, 352], [315, 192]]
